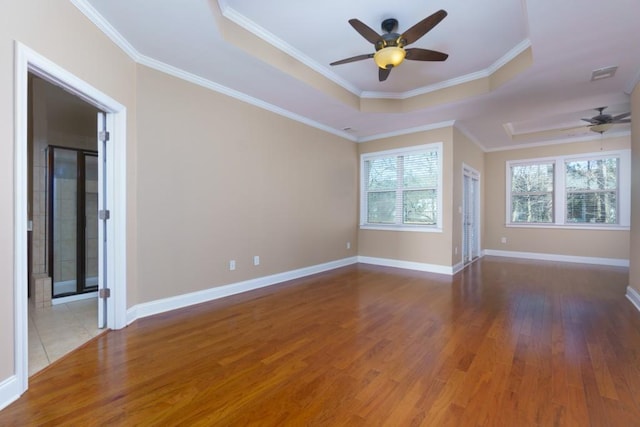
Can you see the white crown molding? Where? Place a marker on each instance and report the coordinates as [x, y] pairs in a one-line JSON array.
[[201, 81], [99, 21], [223, 4], [502, 61], [557, 141], [469, 135], [633, 83], [249, 25], [180, 301], [615, 262], [509, 56], [407, 131], [94, 16], [427, 89]]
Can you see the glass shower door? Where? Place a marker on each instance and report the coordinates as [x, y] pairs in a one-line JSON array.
[[74, 221], [64, 251]]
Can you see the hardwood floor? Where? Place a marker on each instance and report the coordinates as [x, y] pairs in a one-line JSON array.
[[503, 343]]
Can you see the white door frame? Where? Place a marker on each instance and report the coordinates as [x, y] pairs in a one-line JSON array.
[[28, 61], [473, 174]]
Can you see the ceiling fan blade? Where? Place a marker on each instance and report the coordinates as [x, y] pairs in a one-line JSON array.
[[592, 121], [620, 116], [423, 27], [353, 59], [365, 31], [615, 122], [383, 73], [417, 54]]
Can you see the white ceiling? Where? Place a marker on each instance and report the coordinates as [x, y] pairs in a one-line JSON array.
[[568, 40]]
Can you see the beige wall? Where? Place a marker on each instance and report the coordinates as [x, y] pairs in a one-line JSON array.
[[464, 152], [428, 248], [220, 179], [58, 31], [584, 243], [210, 178], [634, 255]]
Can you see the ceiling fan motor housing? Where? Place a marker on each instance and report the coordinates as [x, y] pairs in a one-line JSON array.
[[389, 25]]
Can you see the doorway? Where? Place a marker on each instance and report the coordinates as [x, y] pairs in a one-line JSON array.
[[470, 214], [112, 231], [63, 213]]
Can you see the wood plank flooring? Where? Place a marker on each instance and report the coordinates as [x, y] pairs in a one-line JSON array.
[[503, 343]]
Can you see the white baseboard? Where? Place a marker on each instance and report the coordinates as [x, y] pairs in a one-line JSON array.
[[9, 391], [633, 296], [180, 301], [457, 268], [562, 258], [409, 265]]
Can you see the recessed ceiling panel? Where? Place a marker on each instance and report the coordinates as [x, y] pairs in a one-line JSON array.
[[474, 34], [565, 42]]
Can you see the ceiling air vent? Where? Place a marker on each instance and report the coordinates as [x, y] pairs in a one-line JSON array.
[[603, 73]]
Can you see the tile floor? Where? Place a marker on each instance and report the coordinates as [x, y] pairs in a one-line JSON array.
[[55, 331]]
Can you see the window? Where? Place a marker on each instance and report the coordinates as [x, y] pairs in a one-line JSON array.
[[591, 190], [532, 193], [401, 189]]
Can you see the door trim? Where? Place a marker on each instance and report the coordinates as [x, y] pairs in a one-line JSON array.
[[26, 61]]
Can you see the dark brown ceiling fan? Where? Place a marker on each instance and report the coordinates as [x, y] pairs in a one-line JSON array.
[[603, 122], [390, 46]]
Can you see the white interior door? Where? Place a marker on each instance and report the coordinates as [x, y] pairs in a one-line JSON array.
[[470, 215]]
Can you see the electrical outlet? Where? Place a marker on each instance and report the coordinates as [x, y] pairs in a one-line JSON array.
[[348, 245], [456, 251], [232, 264], [503, 240], [256, 260]]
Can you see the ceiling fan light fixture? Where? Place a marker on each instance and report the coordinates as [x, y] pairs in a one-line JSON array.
[[390, 56], [601, 128]]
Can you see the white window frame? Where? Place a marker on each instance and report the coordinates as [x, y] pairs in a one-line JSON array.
[[435, 228], [560, 193]]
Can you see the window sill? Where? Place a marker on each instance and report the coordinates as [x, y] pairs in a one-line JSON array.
[[413, 228], [572, 227]]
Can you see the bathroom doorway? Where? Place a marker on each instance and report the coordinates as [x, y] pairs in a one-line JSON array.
[[63, 211], [112, 154]]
